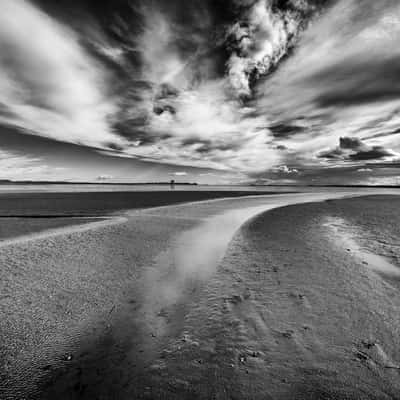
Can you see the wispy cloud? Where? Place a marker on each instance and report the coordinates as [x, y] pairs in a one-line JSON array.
[[20, 167], [49, 84]]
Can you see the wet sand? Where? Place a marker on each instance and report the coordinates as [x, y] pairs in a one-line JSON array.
[[12, 227], [92, 204], [165, 305], [293, 313]]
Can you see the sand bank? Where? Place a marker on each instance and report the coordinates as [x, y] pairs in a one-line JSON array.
[[294, 313], [121, 311]]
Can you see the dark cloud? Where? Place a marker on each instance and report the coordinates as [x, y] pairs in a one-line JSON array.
[[375, 153], [285, 130], [114, 146], [205, 146], [160, 108], [333, 154], [353, 149], [164, 98], [359, 81], [350, 143], [166, 91], [5, 112], [134, 131]]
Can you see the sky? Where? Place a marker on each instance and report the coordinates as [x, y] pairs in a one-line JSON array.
[[211, 91]]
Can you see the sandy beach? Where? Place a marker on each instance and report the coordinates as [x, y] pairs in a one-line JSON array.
[[205, 300]]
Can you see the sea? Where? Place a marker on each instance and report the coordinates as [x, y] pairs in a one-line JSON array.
[[78, 188]]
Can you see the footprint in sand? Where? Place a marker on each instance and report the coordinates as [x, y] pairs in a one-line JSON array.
[[238, 299], [300, 299]]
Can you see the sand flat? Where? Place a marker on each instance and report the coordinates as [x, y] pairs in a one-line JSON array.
[[291, 314], [105, 311]]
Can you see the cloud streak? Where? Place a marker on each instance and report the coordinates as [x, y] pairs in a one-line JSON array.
[[49, 85]]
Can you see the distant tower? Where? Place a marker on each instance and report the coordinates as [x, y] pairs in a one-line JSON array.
[[172, 184]]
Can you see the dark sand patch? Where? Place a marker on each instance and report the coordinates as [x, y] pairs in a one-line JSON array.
[[24, 213], [86, 204], [13, 227]]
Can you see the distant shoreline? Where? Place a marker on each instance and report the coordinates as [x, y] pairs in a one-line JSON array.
[[101, 183], [6, 182]]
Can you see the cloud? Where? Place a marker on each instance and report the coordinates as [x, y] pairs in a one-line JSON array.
[[351, 143], [284, 169], [264, 35], [49, 84], [353, 149], [104, 177], [180, 173], [362, 170], [375, 153], [283, 130]]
